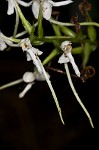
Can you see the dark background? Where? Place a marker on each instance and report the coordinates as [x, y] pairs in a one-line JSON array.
[[33, 123]]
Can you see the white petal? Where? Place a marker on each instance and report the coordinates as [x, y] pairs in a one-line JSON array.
[[25, 4], [2, 42], [32, 56], [26, 89], [2, 45], [35, 60], [33, 52], [35, 8], [64, 44], [36, 51], [28, 57], [63, 59], [75, 67], [38, 65], [47, 10], [72, 61], [11, 6], [62, 3]]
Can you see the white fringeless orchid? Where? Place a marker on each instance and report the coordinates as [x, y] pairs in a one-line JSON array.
[[11, 5], [46, 7], [29, 78], [32, 53], [67, 56]]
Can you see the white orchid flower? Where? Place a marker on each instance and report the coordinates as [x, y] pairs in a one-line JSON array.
[[67, 56], [46, 7], [11, 5], [29, 78], [32, 53]]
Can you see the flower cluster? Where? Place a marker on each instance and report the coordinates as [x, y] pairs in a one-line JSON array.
[[62, 41], [67, 56]]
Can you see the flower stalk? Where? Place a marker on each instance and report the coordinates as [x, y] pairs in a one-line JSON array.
[[25, 22]]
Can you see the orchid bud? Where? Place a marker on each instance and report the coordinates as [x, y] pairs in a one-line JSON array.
[[87, 52], [67, 31], [28, 77], [92, 33]]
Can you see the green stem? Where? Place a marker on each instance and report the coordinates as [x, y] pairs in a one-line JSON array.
[[40, 26], [71, 24], [67, 31], [51, 39], [87, 50], [11, 84], [10, 39], [16, 24], [25, 23], [56, 30]]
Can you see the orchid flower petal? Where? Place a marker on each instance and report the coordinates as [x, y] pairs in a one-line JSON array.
[[26, 89], [11, 6], [47, 10], [35, 60], [75, 67], [28, 57], [62, 3], [64, 44], [2, 42], [36, 51], [35, 8], [63, 59], [25, 4], [2, 45]]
